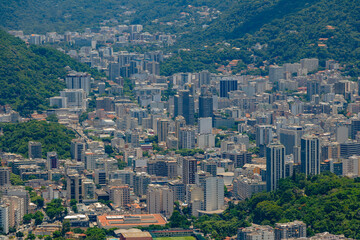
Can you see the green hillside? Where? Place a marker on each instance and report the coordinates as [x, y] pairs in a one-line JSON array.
[[29, 75], [326, 203], [292, 29], [40, 16], [326, 29], [53, 137]]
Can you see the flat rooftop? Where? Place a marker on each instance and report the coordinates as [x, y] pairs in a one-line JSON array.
[[130, 221]]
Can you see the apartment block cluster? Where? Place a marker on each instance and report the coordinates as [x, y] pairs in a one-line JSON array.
[[182, 138], [14, 202], [123, 35], [291, 230]]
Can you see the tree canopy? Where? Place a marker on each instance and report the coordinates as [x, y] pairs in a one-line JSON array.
[[326, 203], [52, 136]]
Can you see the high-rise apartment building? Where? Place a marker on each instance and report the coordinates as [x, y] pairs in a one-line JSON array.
[[264, 136], [163, 129], [312, 88], [311, 64], [4, 176], [184, 106], [275, 165], [160, 199], [141, 182], [204, 78], [120, 195], [310, 155], [78, 147], [100, 176], [355, 128], [74, 187], [35, 150], [52, 160], [4, 217], [179, 123], [226, 86], [88, 190], [205, 106], [189, 170], [187, 138], [290, 137], [76, 98], [290, 230], [213, 194], [78, 80], [276, 73]]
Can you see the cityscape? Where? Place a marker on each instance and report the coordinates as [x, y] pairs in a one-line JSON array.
[[105, 135]]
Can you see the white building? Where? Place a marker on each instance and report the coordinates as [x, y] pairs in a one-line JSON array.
[[206, 141], [160, 199], [205, 125], [351, 166], [60, 102], [76, 98], [213, 194], [4, 218]]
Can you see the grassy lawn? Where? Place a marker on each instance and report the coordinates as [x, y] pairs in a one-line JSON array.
[[175, 238]]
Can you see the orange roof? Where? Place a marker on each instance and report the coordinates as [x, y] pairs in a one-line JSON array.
[[118, 222]]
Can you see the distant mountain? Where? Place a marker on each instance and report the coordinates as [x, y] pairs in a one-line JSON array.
[[30, 74], [41, 16], [288, 30], [292, 29]]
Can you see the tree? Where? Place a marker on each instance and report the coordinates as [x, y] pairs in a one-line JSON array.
[[179, 221], [95, 233], [38, 216], [74, 208], [57, 234], [39, 201], [54, 209], [73, 202], [19, 234], [27, 218], [78, 230], [52, 118], [31, 236], [65, 227], [16, 180], [108, 149]]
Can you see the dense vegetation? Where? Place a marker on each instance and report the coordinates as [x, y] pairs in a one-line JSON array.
[[40, 16], [288, 30], [30, 75], [53, 137], [326, 203]]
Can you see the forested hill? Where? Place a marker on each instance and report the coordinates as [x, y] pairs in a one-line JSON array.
[[30, 75], [41, 16], [326, 203], [288, 30], [292, 29]]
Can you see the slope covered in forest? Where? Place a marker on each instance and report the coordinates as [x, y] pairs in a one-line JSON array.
[[30, 74], [326, 203]]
